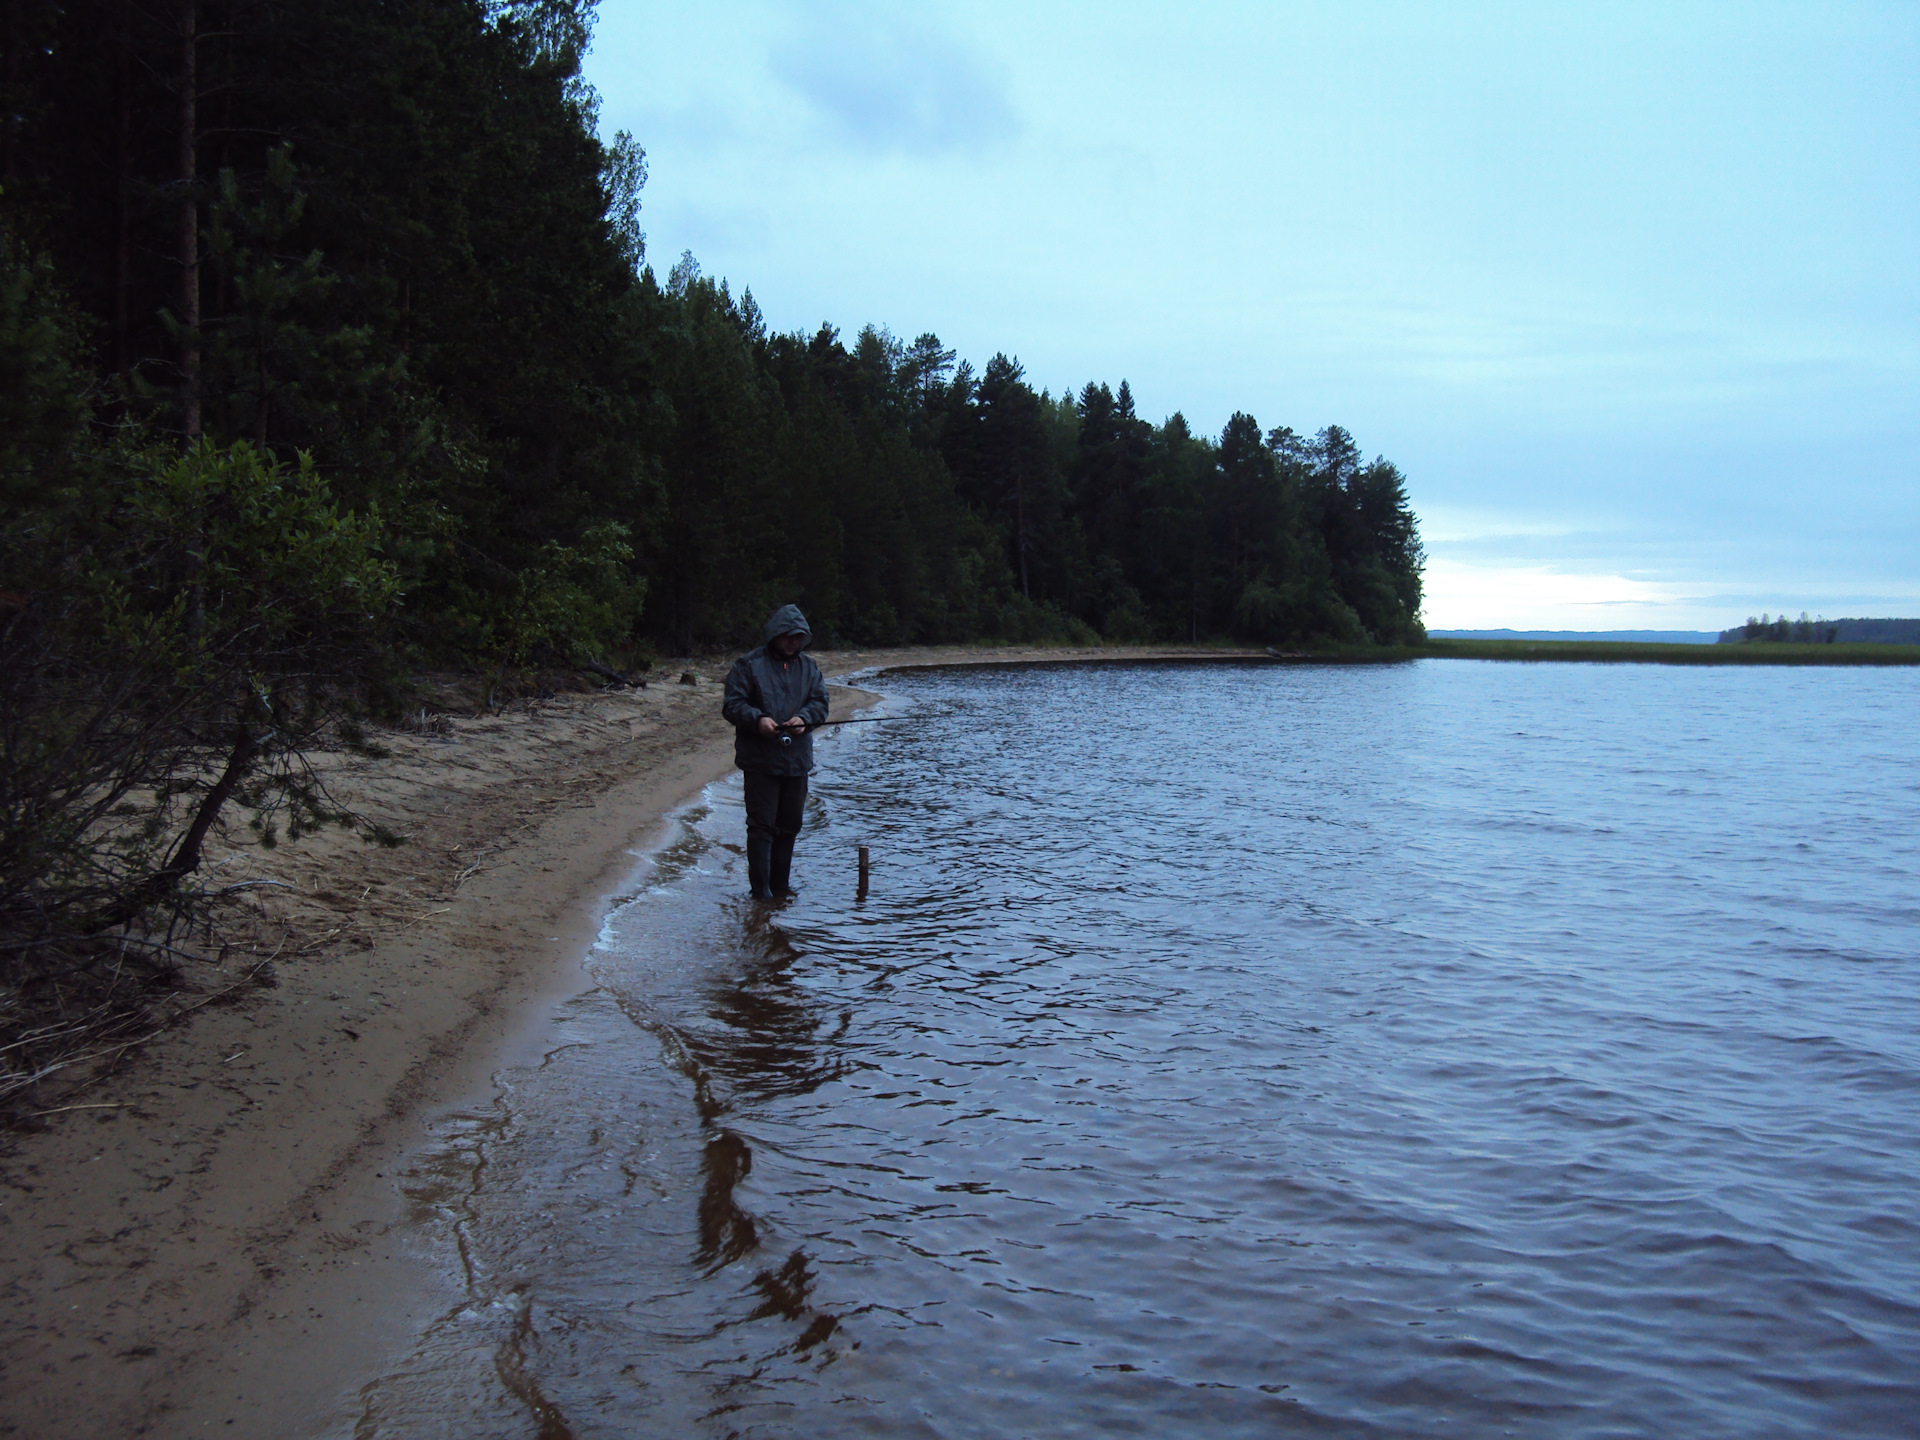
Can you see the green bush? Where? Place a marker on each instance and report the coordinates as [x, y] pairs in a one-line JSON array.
[[175, 639]]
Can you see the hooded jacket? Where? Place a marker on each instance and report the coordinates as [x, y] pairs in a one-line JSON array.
[[761, 683]]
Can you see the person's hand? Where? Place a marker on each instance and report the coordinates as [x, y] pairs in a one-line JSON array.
[[796, 723], [767, 727]]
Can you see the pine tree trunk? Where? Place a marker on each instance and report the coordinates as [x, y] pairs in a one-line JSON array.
[[122, 184], [187, 217], [9, 84]]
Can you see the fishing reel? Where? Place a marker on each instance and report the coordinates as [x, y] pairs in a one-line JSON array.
[[787, 736]]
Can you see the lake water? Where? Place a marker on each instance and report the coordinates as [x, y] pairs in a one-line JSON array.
[[1447, 1048]]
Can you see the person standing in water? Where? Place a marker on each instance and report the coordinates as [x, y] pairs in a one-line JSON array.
[[774, 696]]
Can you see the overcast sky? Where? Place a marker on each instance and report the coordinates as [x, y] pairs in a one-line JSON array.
[[1630, 292]]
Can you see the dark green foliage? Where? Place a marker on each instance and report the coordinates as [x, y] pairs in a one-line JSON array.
[[417, 263], [326, 331], [165, 652]]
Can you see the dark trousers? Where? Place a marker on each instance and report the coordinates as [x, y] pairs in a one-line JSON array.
[[776, 804]]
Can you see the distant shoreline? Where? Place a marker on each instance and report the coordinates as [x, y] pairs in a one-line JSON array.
[[1605, 652], [1438, 647], [1751, 652], [1845, 631]]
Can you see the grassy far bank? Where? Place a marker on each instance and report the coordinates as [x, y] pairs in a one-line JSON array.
[[1757, 652]]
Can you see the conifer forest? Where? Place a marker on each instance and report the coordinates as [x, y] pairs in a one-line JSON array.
[[331, 352]]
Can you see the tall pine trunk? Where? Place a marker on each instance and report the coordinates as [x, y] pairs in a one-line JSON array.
[[187, 217], [122, 192], [10, 43]]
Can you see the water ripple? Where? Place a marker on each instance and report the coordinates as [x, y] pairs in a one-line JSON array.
[[1435, 1049]]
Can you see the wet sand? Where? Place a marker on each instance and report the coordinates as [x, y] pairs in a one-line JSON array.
[[207, 1242]]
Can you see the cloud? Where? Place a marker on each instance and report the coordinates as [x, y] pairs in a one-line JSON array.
[[1540, 597], [1465, 596], [886, 81]]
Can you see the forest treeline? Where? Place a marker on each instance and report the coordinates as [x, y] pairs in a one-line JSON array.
[[1822, 631], [332, 352], [384, 233]]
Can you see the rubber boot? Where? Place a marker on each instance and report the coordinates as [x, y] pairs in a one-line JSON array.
[[781, 869], [759, 860]]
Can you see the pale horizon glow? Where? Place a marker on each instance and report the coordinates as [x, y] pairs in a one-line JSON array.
[[1631, 292], [1536, 597]]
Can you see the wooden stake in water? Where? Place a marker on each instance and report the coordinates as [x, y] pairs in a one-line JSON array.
[[865, 870]]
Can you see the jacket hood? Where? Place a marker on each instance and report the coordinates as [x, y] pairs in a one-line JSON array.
[[788, 620]]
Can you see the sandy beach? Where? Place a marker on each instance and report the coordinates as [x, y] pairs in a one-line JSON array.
[[201, 1242]]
